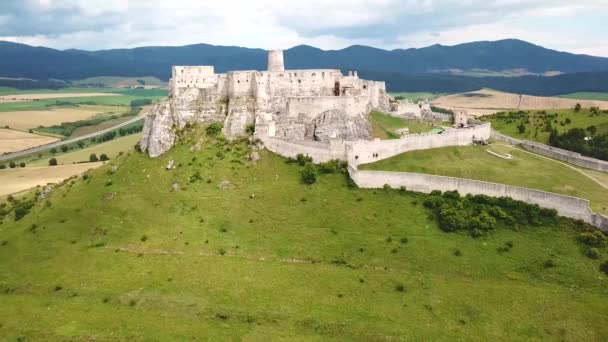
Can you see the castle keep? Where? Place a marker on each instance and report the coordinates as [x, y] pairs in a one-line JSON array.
[[311, 104]]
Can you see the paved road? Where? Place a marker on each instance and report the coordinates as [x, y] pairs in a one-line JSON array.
[[70, 141]]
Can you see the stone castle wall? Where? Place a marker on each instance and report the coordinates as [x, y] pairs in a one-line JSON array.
[[566, 206], [556, 153]]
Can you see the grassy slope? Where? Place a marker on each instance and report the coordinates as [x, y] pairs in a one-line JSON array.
[[587, 96], [524, 169], [383, 125], [280, 275], [579, 120]]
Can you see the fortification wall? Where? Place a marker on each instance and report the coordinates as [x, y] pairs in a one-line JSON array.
[[319, 151], [556, 153], [371, 151], [193, 77], [314, 105], [566, 206]]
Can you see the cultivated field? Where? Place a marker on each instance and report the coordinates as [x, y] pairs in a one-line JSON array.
[[111, 148], [25, 120], [488, 101], [221, 248], [12, 140], [35, 97], [525, 170], [20, 179]]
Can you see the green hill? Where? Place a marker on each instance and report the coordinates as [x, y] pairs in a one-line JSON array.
[[223, 248]]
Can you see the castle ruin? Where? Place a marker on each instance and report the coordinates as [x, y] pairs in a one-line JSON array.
[[311, 104]]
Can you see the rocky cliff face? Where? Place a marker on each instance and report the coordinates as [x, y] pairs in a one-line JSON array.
[[158, 135]]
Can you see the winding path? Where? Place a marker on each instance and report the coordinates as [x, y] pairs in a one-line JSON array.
[[40, 148]]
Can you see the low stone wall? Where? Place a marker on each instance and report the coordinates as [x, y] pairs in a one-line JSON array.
[[566, 206], [363, 152], [556, 153], [319, 151]]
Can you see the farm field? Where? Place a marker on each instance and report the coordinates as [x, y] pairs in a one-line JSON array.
[[487, 101], [525, 170], [12, 140], [384, 125], [116, 82], [221, 248], [535, 124], [587, 96], [111, 148], [20, 179], [25, 120], [33, 97]]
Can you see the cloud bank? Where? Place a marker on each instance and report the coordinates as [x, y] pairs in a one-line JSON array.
[[390, 24]]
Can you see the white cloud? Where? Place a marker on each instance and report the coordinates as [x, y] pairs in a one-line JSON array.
[[100, 24]]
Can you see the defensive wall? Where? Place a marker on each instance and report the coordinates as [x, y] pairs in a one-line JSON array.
[[567, 206], [350, 104], [555, 153]]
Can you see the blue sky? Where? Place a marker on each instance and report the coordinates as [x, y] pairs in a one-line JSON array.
[[579, 27]]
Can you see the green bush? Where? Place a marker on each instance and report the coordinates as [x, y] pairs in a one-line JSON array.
[[214, 129], [604, 267], [2, 166], [12, 165], [104, 157], [593, 253], [303, 160], [93, 157], [595, 239], [52, 162], [309, 174], [22, 164]]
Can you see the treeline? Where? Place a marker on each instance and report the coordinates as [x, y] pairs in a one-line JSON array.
[[584, 141], [24, 83]]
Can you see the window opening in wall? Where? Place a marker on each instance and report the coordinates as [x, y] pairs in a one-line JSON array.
[[337, 88]]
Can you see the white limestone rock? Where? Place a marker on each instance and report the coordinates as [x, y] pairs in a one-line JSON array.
[[158, 135], [337, 124]]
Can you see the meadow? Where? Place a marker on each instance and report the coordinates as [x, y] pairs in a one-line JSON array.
[[587, 96], [224, 248], [525, 170], [384, 125], [535, 124]]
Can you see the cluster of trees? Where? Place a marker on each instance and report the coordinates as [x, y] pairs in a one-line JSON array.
[[12, 165], [19, 207], [310, 171], [480, 214], [584, 141]]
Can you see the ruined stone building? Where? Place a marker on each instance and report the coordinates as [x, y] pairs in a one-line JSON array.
[[311, 104]]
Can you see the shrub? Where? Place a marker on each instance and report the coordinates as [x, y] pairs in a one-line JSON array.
[[64, 148], [12, 165], [457, 252], [143, 238], [214, 129], [52, 162], [593, 239], [386, 187], [302, 160], [604, 267], [549, 264], [104, 157], [2, 166], [593, 253], [309, 174], [400, 287], [93, 157], [22, 164], [404, 240]]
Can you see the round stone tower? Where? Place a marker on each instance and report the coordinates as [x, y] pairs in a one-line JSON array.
[[275, 60]]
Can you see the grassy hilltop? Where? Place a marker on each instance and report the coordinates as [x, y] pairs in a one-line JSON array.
[[224, 248]]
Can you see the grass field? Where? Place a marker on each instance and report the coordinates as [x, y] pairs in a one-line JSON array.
[[110, 81], [12, 140], [251, 253], [384, 126], [525, 170], [43, 96], [534, 130], [111, 148], [19, 179], [587, 96], [419, 96]]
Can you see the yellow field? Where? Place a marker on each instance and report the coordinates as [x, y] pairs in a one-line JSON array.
[[31, 97], [24, 120], [20, 179], [11, 140], [110, 148], [488, 101]]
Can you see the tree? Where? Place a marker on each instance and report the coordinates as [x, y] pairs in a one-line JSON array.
[[577, 107], [12, 165], [53, 150], [64, 148], [52, 162], [521, 128], [104, 157], [80, 144], [22, 164], [214, 129], [93, 157], [2, 166], [592, 130]]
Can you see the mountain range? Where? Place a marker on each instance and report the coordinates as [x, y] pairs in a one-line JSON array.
[[399, 67]]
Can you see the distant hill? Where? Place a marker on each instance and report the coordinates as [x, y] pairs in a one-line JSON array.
[[424, 69]]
